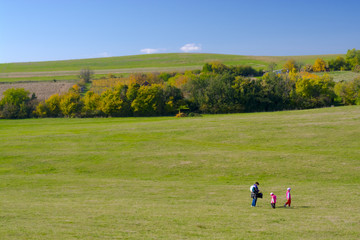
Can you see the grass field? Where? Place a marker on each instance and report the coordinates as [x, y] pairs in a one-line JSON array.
[[68, 69], [155, 61], [74, 78], [189, 178], [341, 75], [40, 79]]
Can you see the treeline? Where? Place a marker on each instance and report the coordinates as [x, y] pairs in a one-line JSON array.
[[215, 89], [350, 62]]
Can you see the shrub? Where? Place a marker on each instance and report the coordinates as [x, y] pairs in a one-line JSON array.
[[193, 114], [319, 65], [356, 69], [181, 114], [349, 92], [41, 110], [91, 104], [86, 74], [113, 102], [149, 101], [71, 104], [52, 106], [290, 66], [15, 104], [308, 68]]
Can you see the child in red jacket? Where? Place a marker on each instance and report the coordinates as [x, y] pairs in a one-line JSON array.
[[288, 197]]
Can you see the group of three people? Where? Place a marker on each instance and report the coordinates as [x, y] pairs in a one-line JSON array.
[[255, 194]]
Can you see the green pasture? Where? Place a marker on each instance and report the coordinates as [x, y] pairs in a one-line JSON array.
[[156, 61], [187, 178], [57, 78], [39, 79], [340, 75], [68, 69]]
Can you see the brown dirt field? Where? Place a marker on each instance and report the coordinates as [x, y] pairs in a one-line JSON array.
[[42, 90]]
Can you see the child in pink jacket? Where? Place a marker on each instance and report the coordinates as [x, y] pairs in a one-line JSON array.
[[288, 197], [273, 200]]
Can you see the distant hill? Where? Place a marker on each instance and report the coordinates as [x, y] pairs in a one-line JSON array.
[[154, 61]]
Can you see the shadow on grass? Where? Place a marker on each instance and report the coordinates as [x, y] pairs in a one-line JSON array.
[[296, 207]]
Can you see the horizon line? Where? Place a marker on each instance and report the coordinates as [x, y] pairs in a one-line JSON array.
[[74, 59]]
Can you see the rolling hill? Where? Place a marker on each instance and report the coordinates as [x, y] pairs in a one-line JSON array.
[[138, 63]]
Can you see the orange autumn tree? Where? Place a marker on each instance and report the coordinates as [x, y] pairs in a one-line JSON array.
[[319, 65]]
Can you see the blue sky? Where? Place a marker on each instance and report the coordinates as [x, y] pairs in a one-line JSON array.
[[37, 30]]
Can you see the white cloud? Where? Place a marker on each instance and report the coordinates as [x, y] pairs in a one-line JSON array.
[[104, 54], [150, 50], [191, 47]]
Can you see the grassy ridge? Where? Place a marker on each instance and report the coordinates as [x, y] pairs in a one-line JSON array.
[[168, 178], [154, 61]]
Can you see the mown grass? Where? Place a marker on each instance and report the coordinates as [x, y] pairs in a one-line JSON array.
[[168, 178], [156, 61]]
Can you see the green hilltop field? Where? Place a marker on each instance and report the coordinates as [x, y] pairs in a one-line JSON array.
[[67, 69], [155, 61], [187, 178]]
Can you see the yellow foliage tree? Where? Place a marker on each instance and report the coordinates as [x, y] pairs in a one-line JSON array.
[[53, 105], [319, 65], [290, 65], [91, 103], [71, 104]]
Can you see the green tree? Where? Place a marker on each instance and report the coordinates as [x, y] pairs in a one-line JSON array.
[[246, 71], [52, 105], [71, 104], [91, 104], [165, 76], [219, 95], [15, 104], [173, 99], [132, 91], [195, 91], [214, 67], [212, 93], [353, 57], [149, 101], [276, 92], [248, 94], [114, 103], [315, 92], [207, 68], [41, 110], [290, 66], [356, 69], [337, 64], [349, 92]]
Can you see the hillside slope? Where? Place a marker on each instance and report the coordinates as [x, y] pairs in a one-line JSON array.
[[169, 60], [188, 178]]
